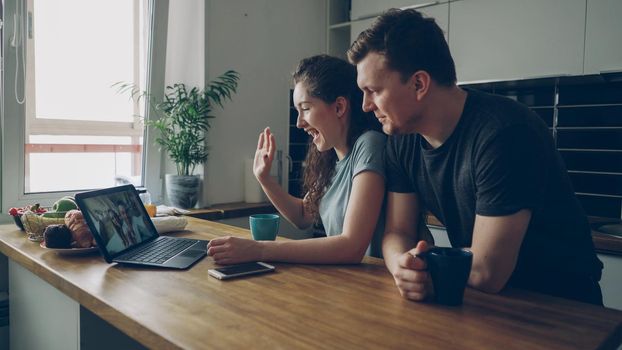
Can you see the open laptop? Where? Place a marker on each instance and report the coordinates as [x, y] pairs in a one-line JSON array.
[[125, 233]]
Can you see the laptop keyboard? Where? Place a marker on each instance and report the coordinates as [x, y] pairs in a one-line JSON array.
[[160, 251]]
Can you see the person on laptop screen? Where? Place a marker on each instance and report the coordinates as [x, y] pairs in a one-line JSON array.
[[119, 224], [344, 177]]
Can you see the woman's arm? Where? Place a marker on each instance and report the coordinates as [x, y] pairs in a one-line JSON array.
[[362, 215]]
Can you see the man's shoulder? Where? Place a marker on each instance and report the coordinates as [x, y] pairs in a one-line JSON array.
[[497, 112], [489, 116]]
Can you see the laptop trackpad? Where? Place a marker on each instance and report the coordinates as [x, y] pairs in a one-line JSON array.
[[191, 253]]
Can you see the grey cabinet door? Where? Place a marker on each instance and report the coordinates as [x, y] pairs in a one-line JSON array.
[[509, 39], [603, 36], [366, 8], [439, 12]]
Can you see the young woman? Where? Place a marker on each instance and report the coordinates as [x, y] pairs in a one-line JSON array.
[[344, 175]]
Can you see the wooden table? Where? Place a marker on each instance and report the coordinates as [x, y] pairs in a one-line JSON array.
[[305, 306]]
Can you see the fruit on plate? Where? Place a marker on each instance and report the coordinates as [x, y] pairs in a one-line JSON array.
[[57, 236], [35, 208], [35, 224], [61, 207], [80, 233], [17, 213], [65, 204]]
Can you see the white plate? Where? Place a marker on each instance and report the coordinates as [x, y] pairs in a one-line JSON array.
[[69, 251]]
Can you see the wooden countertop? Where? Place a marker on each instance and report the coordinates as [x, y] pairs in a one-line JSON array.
[[305, 306]]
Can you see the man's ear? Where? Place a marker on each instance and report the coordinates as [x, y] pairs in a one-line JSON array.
[[419, 82]]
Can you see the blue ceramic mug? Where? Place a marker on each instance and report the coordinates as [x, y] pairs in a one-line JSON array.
[[264, 227]]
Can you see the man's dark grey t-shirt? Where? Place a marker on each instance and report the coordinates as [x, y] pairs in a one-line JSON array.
[[500, 159]]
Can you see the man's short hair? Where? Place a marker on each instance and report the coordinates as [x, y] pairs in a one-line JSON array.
[[410, 42]]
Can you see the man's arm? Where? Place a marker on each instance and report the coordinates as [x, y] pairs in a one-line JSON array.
[[495, 246], [401, 221], [400, 237]]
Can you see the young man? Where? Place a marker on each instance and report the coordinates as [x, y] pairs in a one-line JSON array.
[[484, 165]]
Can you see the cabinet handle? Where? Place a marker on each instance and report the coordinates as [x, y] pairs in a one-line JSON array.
[[290, 163]]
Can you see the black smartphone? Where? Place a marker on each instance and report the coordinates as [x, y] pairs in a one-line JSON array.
[[238, 270]]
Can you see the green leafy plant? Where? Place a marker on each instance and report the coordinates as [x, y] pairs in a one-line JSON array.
[[184, 118]]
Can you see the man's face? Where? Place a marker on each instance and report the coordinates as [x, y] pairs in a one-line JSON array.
[[393, 102]]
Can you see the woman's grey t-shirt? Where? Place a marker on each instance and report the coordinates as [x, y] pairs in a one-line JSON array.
[[367, 154]]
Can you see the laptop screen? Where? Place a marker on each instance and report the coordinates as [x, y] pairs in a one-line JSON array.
[[118, 217]]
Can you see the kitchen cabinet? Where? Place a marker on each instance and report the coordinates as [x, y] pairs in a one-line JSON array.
[[346, 23], [37, 307], [338, 33], [603, 46], [371, 8], [493, 40], [436, 10]]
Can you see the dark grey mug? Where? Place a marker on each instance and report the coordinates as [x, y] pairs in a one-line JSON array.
[[449, 269]]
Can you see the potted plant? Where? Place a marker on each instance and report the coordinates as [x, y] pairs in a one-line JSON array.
[[182, 126]]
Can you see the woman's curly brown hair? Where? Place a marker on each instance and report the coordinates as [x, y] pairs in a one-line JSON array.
[[327, 78]]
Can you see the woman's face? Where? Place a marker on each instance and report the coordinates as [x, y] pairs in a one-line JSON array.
[[319, 119]]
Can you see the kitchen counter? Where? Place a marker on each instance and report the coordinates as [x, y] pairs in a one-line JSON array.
[[299, 306]]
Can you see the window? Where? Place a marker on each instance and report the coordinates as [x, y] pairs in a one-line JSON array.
[[76, 123], [66, 128]]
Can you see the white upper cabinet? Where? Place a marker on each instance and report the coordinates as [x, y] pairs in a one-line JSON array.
[[509, 39], [344, 27], [438, 11], [372, 8], [603, 36]]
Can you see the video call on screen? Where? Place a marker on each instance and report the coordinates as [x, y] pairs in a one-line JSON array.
[[118, 219]]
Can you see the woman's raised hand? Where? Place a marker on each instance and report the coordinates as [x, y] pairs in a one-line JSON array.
[[264, 155]]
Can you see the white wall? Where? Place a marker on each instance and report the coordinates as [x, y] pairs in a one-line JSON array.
[[262, 40], [185, 49]]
